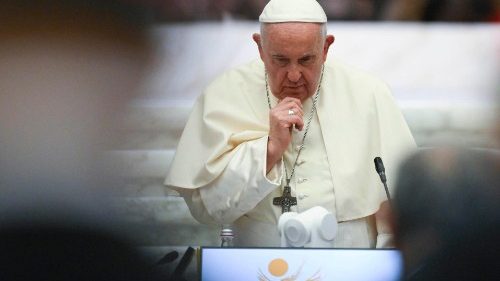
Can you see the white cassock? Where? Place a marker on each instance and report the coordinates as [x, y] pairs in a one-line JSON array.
[[220, 163]]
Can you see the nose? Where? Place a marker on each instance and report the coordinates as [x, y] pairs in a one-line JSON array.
[[294, 74]]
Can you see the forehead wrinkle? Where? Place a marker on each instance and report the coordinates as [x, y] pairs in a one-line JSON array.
[[304, 55]]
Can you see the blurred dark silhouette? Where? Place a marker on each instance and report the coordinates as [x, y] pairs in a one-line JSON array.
[[64, 252], [67, 71], [447, 215]]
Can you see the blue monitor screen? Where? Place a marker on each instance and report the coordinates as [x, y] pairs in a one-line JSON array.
[[269, 264]]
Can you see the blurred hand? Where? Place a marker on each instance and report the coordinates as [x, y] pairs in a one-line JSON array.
[[383, 218]]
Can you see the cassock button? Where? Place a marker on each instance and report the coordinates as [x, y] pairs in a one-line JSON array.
[[297, 148], [302, 180], [300, 162], [302, 196]]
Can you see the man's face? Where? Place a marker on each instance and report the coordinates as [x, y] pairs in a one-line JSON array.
[[293, 54]]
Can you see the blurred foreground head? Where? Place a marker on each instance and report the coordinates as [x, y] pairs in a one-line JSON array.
[[447, 214], [66, 70]]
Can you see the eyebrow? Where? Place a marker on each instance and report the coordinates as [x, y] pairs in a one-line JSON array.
[[307, 56]]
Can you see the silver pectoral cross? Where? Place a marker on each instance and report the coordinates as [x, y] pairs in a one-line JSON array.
[[286, 200]]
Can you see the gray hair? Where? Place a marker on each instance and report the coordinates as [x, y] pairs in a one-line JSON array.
[[264, 24]]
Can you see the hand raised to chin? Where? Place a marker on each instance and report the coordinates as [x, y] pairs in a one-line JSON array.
[[282, 118]]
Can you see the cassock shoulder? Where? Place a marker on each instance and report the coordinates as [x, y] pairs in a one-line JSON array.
[[239, 92], [227, 114]]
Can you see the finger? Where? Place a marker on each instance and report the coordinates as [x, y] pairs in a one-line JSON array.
[[291, 112], [295, 102], [299, 124], [297, 121], [288, 101], [297, 110]]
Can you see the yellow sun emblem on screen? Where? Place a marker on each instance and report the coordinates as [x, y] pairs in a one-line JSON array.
[[278, 268]]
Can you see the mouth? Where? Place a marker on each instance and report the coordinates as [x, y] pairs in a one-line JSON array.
[[294, 87], [294, 91]]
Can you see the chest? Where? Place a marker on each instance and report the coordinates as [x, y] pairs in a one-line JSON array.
[[312, 181]]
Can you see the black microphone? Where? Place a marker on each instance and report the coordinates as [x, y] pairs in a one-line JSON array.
[[168, 258], [178, 273], [379, 167]]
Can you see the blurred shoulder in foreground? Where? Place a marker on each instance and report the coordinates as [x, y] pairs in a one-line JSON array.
[[447, 214]]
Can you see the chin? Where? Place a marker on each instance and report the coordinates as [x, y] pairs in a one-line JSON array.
[[301, 95]]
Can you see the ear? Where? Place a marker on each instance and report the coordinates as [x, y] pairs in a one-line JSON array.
[[328, 42], [257, 38]]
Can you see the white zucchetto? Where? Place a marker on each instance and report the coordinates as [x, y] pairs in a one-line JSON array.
[[293, 11]]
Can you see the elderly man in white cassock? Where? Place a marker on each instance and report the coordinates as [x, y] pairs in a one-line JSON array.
[[291, 122]]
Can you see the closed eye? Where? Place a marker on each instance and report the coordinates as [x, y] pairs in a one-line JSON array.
[[307, 60], [282, 61]]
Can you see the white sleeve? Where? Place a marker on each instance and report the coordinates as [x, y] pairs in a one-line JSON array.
[[240, 187]]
